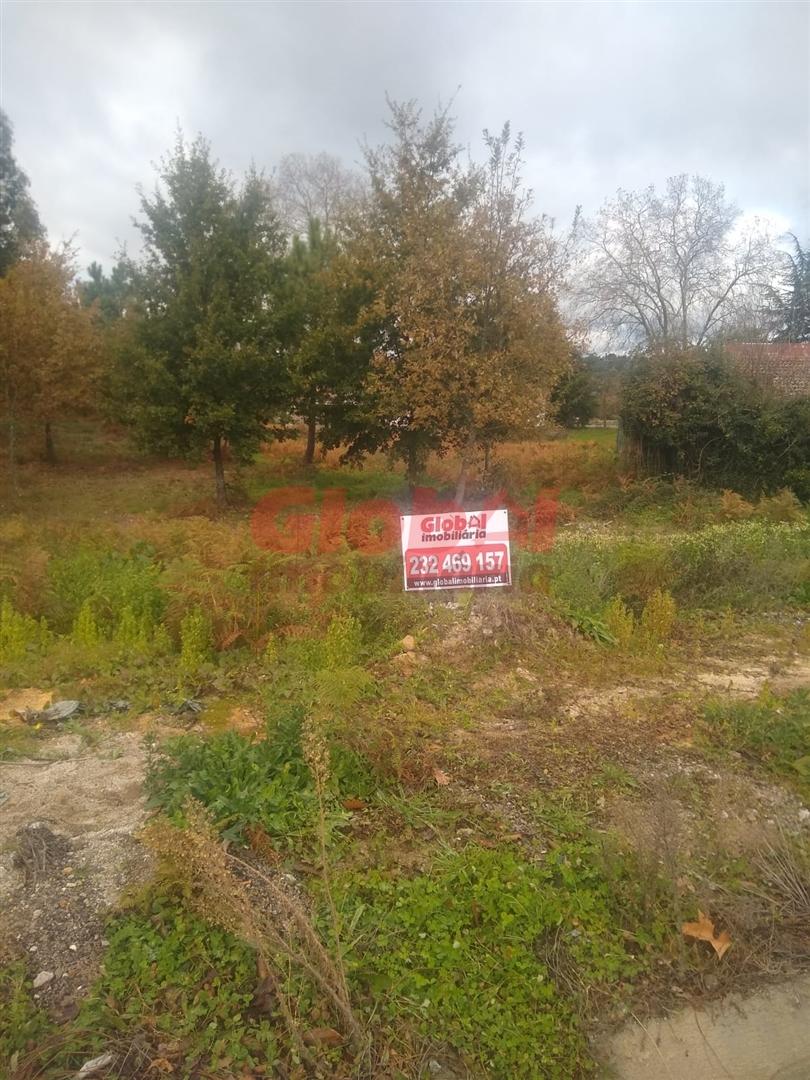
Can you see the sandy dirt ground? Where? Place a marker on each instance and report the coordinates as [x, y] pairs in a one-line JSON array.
[[67, 849]]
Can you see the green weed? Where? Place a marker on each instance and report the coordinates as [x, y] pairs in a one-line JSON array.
[[620, 622], [744, 565], [342, 642], [85, 633], [195, 642], [106, 580], [22, 1022], [174, 988], [772, 731], [492, 954], [244, 782], [20, 634], [657, 618]]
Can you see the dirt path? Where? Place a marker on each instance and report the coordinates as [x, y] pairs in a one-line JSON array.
[[762, 1036], [66, 850]]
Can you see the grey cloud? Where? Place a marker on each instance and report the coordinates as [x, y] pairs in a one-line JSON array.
[[607, 94]]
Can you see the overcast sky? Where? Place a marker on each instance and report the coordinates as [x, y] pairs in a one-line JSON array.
[[607, 94]]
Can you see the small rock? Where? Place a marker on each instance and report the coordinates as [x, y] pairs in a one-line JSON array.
[[804, 814], [95, 1065], [409, 643], [54, 714], [42, 979], [73, 948], [405, 661]]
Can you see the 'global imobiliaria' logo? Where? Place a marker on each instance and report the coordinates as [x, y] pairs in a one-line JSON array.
[[454, 527], [303, 520]]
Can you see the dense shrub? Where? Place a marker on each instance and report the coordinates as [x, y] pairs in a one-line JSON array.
[[692, 413], [742, 564], [574, 399], [107, 583]]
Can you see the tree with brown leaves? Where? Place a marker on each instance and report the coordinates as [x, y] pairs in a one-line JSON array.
[[469, 341], [50, 346]]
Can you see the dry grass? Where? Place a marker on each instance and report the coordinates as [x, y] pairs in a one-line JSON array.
[[222, 888], [538, 463]]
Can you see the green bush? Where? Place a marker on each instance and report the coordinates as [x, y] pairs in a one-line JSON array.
[[691, 412], [619, 622], [657, 618], [745, 564], [20, 634], [342, 643], [369, 588], [109, 581], [243, 782], [85, 632], [740, 564], [196, 643]]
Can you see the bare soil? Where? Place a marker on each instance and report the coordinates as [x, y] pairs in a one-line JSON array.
[[67, 849]]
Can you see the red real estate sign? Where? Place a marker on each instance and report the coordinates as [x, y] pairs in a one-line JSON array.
[[456, 550]]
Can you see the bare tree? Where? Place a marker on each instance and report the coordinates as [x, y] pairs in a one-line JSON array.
[[672, 268], [314, 186]]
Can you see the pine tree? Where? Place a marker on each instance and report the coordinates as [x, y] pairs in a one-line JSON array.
[[793, 306], [19, 221], [203, 368]]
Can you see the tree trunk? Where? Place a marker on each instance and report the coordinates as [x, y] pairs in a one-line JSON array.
[[219, 472], [12, 439], [411, 466], [466, 457], [312, 430], [50, 449]]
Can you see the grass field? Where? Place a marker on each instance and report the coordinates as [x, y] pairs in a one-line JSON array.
[[390, 835]]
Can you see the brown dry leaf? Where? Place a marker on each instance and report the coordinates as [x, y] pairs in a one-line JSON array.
[[703, 930], [264, 998], [354, 804], [261, 843], [441, 777], [323, 1037], [230, 638]]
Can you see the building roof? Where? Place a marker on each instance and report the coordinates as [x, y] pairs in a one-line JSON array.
[[783, 366]]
